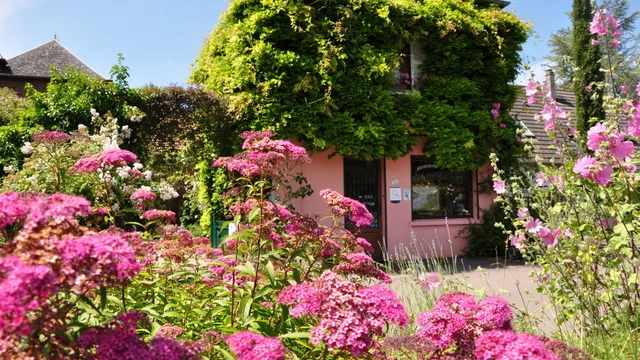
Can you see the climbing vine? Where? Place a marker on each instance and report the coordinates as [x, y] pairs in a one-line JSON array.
[[320, 72]]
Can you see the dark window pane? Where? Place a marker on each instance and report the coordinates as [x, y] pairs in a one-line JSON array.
[[437, 193]]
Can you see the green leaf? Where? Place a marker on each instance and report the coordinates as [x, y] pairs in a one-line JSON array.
[[295, 335]]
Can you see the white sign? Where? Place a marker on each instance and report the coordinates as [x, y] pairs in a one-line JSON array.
[[232, 228], [395, 194], [407, 194]]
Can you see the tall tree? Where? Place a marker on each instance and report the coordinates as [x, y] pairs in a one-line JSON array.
[[625, 59], [586, 58]]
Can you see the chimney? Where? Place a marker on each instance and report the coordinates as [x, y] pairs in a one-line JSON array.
[[551, 82]]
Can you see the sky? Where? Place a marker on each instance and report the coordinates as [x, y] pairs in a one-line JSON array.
[[160, 39]]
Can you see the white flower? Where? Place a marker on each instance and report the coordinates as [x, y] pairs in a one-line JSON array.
[[147, 175], [135, 118], [82, 127], [137, 166], [9, 169], [115, 207], [126, 132], [167, 192], [27, 148], [94, 114], [146, 188], [123, 172]]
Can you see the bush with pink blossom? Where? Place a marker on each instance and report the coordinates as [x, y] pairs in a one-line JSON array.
[[578, 219]]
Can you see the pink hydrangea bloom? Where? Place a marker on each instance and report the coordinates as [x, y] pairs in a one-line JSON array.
[[344, 206], [248, 345]]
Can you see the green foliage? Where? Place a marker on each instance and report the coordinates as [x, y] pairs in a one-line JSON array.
[[71, 95], [489, 239], [12, 138], [12, 107], [321, 73], [587, 57]]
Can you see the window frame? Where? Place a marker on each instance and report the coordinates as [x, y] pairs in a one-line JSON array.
[[415, 160]]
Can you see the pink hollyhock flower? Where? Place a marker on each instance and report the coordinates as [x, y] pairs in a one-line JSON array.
[[533, 225], [531, 100], [248, 345], [499, 187], [588, 88], [571, 131], [608, 223], [523, 213], [503, 126], [586, 166], [603, 177], [550, 238], [615, 43], [598, 24], [429, 281], [619, 148], [595, 42], [540, 180], [624, 89], [531, 89], [518, 241]]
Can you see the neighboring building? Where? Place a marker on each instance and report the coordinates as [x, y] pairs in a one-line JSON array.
[[34, 67], [543, 146]]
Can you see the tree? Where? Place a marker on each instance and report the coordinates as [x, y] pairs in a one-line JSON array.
[[587, 59], [625, 60], [320, 72]]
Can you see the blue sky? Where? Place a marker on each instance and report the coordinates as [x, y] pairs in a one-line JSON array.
[[160, 39]]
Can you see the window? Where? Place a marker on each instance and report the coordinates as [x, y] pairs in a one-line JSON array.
[[437, 193]]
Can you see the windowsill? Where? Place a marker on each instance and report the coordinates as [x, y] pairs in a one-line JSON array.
[[444, 221]]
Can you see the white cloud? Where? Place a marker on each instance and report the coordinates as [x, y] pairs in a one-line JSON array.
[[537, 70]]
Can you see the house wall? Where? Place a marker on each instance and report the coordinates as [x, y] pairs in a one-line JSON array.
[[431, 236], [17, 84]]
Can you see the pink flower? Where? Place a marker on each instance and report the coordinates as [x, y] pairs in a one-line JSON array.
[[51, 137], [366, 246], [619, 148], [533, 225], [608, 223], [531, 89], [571, 131], [531, 100], [363, 265], [518, 241], [503, 126], [12, 208], [507, 345], [494, 313], [117, 157], [143, 194], [495, 112], [429, 281], [595, 42], [550, 238], [344, 206], [588, 167], [248, 345], [440, 328], [499, 187], [596, 135], [523, 213], [163, 215], [588, 88], [624, 89]]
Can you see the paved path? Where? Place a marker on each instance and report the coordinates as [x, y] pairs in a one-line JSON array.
[[486, 277]]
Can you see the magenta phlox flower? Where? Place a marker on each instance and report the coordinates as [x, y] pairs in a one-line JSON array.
[[440, 327], [457, 302], [499, 186], [366, 245], [97, 259], [12, 208], [51, 137], [348, 317], [24, 288], [248, 345], [507, 345], [56, 207], [363, 265], [494, 313], [144, 193], [344, 206], [162, 215]]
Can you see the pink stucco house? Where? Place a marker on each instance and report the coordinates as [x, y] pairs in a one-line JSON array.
[[415, 206]]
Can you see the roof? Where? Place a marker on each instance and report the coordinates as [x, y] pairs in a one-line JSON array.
[[543, 146], [36, 62]]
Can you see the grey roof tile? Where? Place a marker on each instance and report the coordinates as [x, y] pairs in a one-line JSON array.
[[37, 61]]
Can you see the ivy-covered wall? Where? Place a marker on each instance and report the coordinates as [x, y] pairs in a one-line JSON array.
[[320, 72]]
